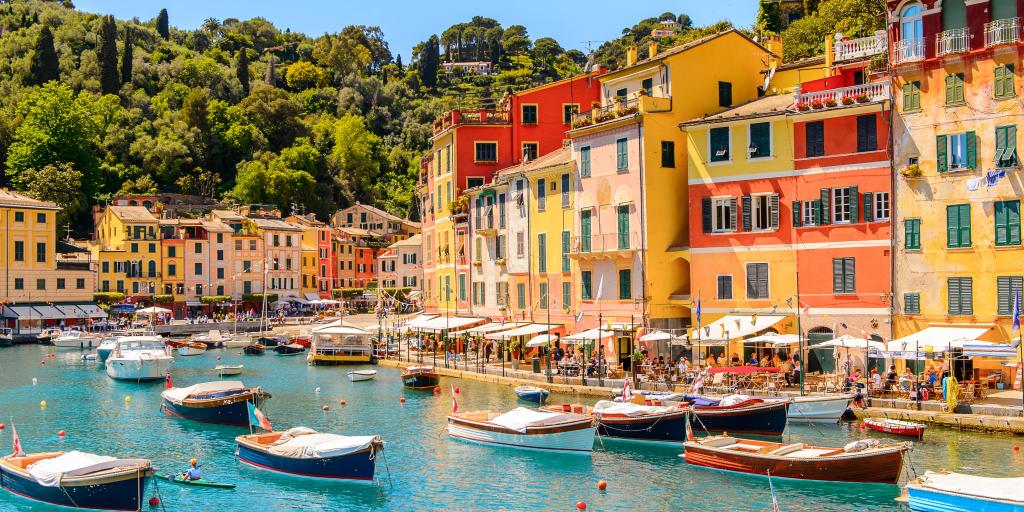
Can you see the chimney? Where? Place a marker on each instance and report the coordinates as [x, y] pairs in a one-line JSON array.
[[652, 49], [830, 54], [774, 44], [630, 55]]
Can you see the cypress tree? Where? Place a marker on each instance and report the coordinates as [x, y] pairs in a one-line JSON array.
[[110, 82], [271, 77], [127, 56], [45, 66], [429, 61], [162, 24], [242, 70]]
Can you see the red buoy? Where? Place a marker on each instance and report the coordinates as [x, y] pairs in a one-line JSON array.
[[218, 358], [341, 402], [1015, 447], [43, 362], [602, 485], [456, 389], [581, 505], [2, 426], [154, 501], [60, 434], [402, 400], [437, 391]]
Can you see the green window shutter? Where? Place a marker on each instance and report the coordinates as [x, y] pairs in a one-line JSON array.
[[952, 226], [565, 252], [816, 211], [908, 96], [1010, 155], [999, 84], [825, 207], [949, 89], [706, 214], [566, 295], [1008, 87], [585, 231], [1002, 235], [623, 226], [966, 296], [869, 207], [958, 82], [1003, 295], [1013, 222], [585, 162], [854, 202], [746, 213], [972, 151], [941, 153], [965, 225], [797, 218], [911, 303], [542, 252], [625, 284], [953, 295], [585, 282], [773, 203], [837, 275], [912, 234], [850, 275], [732, 213], [1001, 132]]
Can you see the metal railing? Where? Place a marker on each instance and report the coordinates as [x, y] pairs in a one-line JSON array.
[[952, 41], [612, 110], [1004, 31], [605, 242], [910, 50], [861, 47], [873, 91]]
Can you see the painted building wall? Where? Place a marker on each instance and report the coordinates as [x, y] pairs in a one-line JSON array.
[[555, 222]]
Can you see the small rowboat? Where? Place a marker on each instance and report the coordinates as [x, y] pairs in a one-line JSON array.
[[192, 348], [77, 479], [228, 369], [897, 427], [254, 349], [745, 416], [525, 428], [626, 420], [532, 394], [305, 452], [178, 479], [957, 492], [361, 375], [420, 377]]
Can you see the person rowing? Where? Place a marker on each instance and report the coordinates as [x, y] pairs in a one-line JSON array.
[[193, 473]]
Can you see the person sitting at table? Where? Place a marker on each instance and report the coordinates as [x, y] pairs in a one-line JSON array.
[[852, 380], [735, 361], [753, 359], [933, 378], [765, 361], [776, 360], [558, 353], [684, 366], [906, 379], [890, 378], [661, 362], [720, 360], [876, 378]]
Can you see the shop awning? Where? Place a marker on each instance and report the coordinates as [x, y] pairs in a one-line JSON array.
[[541, 339], [588, 336], [340, 330], [525, 330], [774, 339], [982, 349], [419, 320], [311, 296], [847, 341], [92, 310], [731, 327], [49, 313], [299, 301], [937, 339], [71, 311], [193, 303], [22, 312], [447, 323], [491, 327], [656, 336]]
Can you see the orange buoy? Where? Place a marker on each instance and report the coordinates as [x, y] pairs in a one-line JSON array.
[[437, 390], [602, 485], [402, 400], [154, 501], [581, 505], [341, 402], [60, 434], [1015, 447], [456, 389]]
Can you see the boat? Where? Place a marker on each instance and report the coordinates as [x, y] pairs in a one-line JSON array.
[[47, 335], [139, 358], [819, 409], [420, 377], [897, 427], [270, 341], [628, 420], [858, 462], [305, 340], [361, 375], [254, 349], [192, 348], [178, 479], [525, 428], [228, 369], [76, 339], [77, 479], [305, 452], [532, 394], [211, 339], [957, 492], [340, 344], [237, 341], [223, 402], [107, 345], [737, 414], [291, 349], [6, 337]]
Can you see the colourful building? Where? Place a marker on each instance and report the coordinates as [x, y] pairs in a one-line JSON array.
[[127, 249], [378, 223], [319, 262]]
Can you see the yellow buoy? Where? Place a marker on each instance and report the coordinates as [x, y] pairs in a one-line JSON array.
[[42, 404], [127, 399]]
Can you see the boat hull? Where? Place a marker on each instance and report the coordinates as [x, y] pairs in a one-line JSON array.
[[229, 370], [254, 350], [882, 467], [766, 419], [353, 466], [819, 409], [536, 397], [420, 380], [138, 369], [76, 343], [664, 427], [191, 351], [922, 499], [909, 430], [227, 410], [576, 441], [123, 492], [361, 376]]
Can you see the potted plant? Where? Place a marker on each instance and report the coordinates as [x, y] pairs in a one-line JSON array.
[[803, 107], [831, 102], [642, 92], [515, 347], [847, 100], [636, 358], [911, 171], [595, 104], [862, 97], [816, 105]]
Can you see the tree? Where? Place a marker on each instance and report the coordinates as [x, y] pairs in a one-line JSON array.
[[354, 157], [303, 75], [45, 66], [110, 82], [805, 37], [127, 57], [200, 182], [271, 77], [163, 25], [60, 183], [242, 70], [430, 59]]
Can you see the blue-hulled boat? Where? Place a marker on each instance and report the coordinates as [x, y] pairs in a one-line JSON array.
[[746, 416], [641, 422], [532, 394], [305, 452], [77, 479], [420, 377], [956, 492], [222, 402]]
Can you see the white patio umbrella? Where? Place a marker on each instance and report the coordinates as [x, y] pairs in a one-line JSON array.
[[656, 336], [541, 339], [774, 339], [153, 310]]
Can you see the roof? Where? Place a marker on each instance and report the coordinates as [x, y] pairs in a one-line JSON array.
[[277, 224], [687, 46], [303, 220], [132, 213], [761, 107], [216, 226], [818, 60], [412, 241], [560, 156], [227, 215], [376, 211], [11, 198], [354, 231]]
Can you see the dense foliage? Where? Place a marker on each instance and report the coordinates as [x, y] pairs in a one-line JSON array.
[[805, 37]]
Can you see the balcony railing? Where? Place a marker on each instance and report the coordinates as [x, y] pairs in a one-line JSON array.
[[861, 47], [911, 50], [843, 96], [604, 245], [615, 109], [952, 42], [999, 32], [457, 117]]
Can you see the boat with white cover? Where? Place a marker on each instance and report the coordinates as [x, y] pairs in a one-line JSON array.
[[228, 369], [818, 408], [957, 492], [213, 338], [77, 479], [305, 452], [139, 358], [525, 428]]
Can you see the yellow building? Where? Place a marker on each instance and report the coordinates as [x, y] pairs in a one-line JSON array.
[[127, 248], [553, 181]]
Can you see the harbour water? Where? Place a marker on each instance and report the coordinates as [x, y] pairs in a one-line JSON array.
[[421, 468]]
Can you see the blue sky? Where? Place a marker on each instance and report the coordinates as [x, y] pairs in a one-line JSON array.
[[406, 22]]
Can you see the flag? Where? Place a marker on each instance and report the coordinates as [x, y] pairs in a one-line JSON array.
[[579, 316], [600, 288], [1016, 311], [256, 417], [689, 429], [168, 383], [698, 308], [698, 382], [17, 442], [455, 403], [627, 393]]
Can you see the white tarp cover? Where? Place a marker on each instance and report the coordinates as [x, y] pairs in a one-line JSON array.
[[419, 320], [306, 443], [48, 472], [731, 327], [525, 330], [486, 328], [588, 336], [541, 340], [630, 409], [92, 310], [520, 418], [176, 395], [1009, 489], [939, 338]]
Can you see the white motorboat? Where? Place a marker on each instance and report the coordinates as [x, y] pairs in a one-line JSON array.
[[139, 358], [228, 369], [107, 345], [819, 408], [213, 338], [361, 375], [525, 428], [192, 348], [6, 337], [76, 339], [48, 334]]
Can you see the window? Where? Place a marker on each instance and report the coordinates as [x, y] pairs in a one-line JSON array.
[[19, 250], [40, 284], [954, 14], [238, 247], [585, 282], [474, 182], [565, 190], [1003, 82], [80, 283], [499, 247], [585, 162], [810, 212], [520, 244], [541, 195], [542, 252], [724, 94], [529, 114], [960, 296], [152, 248], [585, 231], [41, 218], [199, 269], [1003, 9], [106, 267], [912, 234], [252, 245], [530, 151], [1007, 217], [719, 214], [447, 167], [625, 284], [719, 138], [521, 295], [1006, 146], [844, 275], [565, 252], [814, 138], [622, 212], [878, 205], [954, 89], [912, 96], [843, 200], [172, 270], [621, 154], [486, 152], [668, 153], [1007, 289], [134, 247], [220, 272], [955, 152], [568, 111], [958, 225], [760, 140], [724, 287], [462, 287], [566, 295], [647, 84], [19, 283], [912, 303], [760, 212], [41, 252], [621, 93], [757, 280], [220, 255], [867, 135], [60, 283], [543, 289], [19, 216]]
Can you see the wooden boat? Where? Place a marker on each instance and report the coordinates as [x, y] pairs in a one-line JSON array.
[[228, 369], [77, 480], [748, 416], [291, 349], [303, 339], [956, 492], [270, 341], [858, 462], [192, 348], [625, 420], [819, 409], [306, 452], [178, 479], [525, 428], [532, 394], [420, 377], [897, 427], [361, 375], [47, 335], [254, 349], [223, 402]]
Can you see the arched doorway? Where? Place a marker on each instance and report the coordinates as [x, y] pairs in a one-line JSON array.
[[820, 360]]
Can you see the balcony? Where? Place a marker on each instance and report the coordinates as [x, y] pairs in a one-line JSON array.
[[460, 117], [74, 265], [484, 225], [911, 50], [863, 93], [859, 48], [952, 42], [1002, 32], [605, 246]]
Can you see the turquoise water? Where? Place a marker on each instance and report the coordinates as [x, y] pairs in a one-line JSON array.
[[427, 470]]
